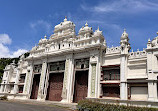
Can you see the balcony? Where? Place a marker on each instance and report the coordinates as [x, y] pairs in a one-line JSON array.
[[111, 77], [111, 74]]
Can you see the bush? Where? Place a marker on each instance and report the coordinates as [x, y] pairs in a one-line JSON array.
[[87, 105], [3, 98]]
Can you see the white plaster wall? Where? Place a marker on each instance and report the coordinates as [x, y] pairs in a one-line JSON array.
[[111, 60]]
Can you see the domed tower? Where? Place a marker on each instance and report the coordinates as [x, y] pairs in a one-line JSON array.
[[85, 31], [152, 67], [125, 47]]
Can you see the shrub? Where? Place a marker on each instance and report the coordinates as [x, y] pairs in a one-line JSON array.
[[3, 98], [88, 105]]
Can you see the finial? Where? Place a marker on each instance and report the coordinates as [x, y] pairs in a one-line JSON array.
[[124, 30], [86, 24], [132, 50], [149, 40], [45, 37], [65, 18], [98, 28], [137, 49]]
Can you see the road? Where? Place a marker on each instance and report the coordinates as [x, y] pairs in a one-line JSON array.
[[15, 106]]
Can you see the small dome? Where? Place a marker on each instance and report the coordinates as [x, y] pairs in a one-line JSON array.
[[98, 32], [124, 35], [85, 29], [155, 41], [43, 40], [34, 48], [64, 23]]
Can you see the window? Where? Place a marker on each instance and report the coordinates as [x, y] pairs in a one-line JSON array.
[[112, 74], [21, 89], [22, 78]]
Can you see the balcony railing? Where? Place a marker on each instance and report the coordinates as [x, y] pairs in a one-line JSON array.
[[111, 77]]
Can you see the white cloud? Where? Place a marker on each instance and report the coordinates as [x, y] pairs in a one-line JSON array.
[[4, 50], [41, 24], [123, 6], [4, 39], [19, 52]]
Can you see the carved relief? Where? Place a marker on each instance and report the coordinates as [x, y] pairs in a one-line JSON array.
[[93, 78]]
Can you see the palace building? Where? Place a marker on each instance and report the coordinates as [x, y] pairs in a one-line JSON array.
[[69, 67]]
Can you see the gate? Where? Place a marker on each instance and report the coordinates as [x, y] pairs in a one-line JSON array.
[[81, 85], [35, 86], [55, 87]]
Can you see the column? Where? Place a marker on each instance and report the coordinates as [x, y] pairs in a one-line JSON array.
[[123, 82], [67, 92], [16, 81], [152, 90], [41, 95], [28, 81], [94, 75]]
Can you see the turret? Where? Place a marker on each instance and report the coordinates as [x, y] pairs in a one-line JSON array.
[[149, 45], [125, 46]]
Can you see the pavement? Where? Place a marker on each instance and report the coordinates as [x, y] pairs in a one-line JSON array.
[[34, 105]]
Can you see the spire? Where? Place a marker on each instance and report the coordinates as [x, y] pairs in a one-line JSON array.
[[149, 40], [45, 37], [98, 28], [86, 25], [65, 19], [124, 30]]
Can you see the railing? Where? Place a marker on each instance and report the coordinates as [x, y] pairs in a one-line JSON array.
[[111, 77]]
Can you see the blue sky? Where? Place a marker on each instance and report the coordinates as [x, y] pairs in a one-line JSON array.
[[24, 22]]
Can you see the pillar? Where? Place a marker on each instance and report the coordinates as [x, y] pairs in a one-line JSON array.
[[41, 95], [152, 90], [67, 92], [28, 81], [123, 81]]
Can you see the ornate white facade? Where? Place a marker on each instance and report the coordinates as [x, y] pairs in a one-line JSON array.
[[69, 67]]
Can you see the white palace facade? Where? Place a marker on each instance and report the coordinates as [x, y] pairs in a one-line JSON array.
[[69, 67]]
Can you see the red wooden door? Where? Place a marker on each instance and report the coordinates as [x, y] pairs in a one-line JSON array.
[[81, 85], [55, 87], [35, 86]]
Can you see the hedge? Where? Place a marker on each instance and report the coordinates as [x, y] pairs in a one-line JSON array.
[[87, 105]]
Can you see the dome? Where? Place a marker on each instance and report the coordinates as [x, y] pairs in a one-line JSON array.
[[64, 23], [34, 48], [124, 35], [85, 29], [98, 32], [43, 40], [155, 41]]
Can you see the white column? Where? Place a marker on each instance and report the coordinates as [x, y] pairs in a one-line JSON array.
[[94, 75], [28, 81], [67, 92], [152, 90], [41, 95], [16, 81], [123, 81]]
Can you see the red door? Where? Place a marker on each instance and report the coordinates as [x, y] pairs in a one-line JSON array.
[[35, 86], [81, 85], [55, 87]]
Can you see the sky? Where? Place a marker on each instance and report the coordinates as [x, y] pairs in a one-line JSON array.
[[24, 22]]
